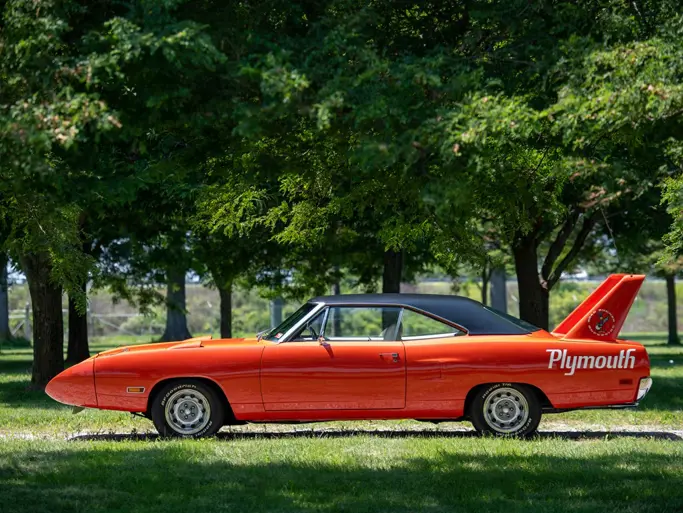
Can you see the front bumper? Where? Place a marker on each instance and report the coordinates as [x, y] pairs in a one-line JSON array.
[[75, 386]]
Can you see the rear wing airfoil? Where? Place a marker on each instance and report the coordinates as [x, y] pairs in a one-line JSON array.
[[602, 314]]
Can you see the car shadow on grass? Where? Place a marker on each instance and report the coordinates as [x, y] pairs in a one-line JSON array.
[[394, 433]]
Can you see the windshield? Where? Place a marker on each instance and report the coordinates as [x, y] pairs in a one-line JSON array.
[[278, 332], [527, 326]]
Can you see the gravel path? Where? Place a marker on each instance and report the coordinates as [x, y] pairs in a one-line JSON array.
[[251, 431]]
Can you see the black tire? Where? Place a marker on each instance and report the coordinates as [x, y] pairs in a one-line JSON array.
[[190, 394], [524, 410]]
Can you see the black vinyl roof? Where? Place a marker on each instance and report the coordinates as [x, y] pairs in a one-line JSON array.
[[465, 312]]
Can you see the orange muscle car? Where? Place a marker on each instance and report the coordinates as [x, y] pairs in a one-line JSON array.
[[378, 356]]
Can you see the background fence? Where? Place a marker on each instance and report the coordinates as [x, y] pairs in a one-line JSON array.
[[252, 313]]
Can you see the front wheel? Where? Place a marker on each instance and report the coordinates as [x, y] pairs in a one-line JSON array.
[[187, 408], [506, 409]]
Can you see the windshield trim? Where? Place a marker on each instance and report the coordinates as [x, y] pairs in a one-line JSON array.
[[302, 321], [275, 333]]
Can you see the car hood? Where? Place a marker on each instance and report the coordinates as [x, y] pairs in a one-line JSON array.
[[184, 344]]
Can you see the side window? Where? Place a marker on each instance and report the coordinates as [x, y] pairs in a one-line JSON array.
[[357, 323], [415, 326]]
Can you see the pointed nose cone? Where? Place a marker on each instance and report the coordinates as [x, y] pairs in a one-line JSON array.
[[75, 386]]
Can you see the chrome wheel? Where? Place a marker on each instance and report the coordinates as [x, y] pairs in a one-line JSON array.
[[506, 410], [187, 411]]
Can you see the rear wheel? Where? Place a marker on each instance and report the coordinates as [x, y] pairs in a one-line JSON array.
[[187, 408], [506, 409]]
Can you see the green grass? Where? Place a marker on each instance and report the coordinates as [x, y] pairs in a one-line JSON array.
[[48, 464], [355, 474]]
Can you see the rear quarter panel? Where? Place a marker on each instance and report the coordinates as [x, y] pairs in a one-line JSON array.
[[441, 373]]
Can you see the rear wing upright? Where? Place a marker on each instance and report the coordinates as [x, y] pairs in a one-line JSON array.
[[602, 314]]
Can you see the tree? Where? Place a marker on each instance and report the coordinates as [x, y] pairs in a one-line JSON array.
[[632, 241], [176, 318], [77, 343], [673, 196], [46, 276], [331, 141], [81, 83], [498, 123], [553, 163], [4, 299], [672, 320], [140, 254], [226, 260], [176, 263]]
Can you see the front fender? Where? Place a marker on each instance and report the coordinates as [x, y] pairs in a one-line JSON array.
[[125, 380]]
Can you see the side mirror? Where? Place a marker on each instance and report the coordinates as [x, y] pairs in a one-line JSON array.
[[322, 341], [260, 335]]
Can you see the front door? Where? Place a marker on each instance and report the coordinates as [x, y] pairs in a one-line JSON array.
[[346, 358]]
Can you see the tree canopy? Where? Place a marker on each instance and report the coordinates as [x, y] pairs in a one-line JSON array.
[[290, 144]]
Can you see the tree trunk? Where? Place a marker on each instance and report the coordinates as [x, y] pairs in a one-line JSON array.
[[176, 319], [276, 312], [77, 346], [48, 325], [499, 290], [4, 300], [533, 296], [485, 286], [336, 286], [393, 268], [225, 293], [671, 302]]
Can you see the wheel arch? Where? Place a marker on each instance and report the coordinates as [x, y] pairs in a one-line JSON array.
[[543, 400], [159, 385]]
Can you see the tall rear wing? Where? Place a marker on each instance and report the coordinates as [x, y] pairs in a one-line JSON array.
[[602, 314]]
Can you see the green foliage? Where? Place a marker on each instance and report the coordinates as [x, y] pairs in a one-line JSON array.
[[82, 85], [533, 123], [51, 229], [286, 145], [673, 196]]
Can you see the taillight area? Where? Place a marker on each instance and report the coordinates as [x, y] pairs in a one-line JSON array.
[[643, 388]]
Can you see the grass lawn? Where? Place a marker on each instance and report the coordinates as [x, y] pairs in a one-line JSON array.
[[48, 465], [360, 473]]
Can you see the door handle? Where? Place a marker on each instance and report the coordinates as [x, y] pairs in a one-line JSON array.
[[386, 356]]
